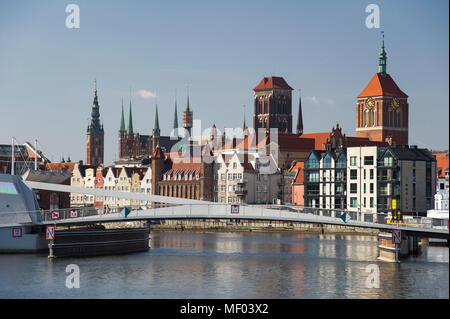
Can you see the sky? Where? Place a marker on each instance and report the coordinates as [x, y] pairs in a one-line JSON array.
[[222, 49]]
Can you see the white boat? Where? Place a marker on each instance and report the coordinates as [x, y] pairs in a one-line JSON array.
[[18, 211]]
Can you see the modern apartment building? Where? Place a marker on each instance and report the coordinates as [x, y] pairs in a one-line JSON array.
[[325, 180], [406, 175], [362, 182]]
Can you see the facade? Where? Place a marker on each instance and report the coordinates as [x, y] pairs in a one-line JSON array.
[[298, 187], [110, 181], [325, 180], [246, 178], [89, 181], [79, 179], [124, 185], [442, 164], [406, 181], [100, 174], [189, 177], [95, 135], [382, 109], [273, 105], [136, 177], [362, 182]]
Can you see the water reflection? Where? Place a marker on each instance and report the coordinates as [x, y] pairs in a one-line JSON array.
[[233, 265]]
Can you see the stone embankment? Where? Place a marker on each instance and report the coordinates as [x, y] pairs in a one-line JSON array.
[[225, 225]]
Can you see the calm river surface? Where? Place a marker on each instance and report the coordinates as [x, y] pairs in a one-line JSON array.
[[232, 265]]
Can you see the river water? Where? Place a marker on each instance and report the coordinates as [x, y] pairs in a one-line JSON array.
[[233, 265]]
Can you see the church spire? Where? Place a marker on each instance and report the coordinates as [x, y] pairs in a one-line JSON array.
[[130, 120], [175, 116], [95, 114], [300, 115], [187, 107], [382, 59], [122, 121], [156, 125]]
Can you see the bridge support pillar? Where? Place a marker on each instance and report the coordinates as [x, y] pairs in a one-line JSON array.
[[390, 252]]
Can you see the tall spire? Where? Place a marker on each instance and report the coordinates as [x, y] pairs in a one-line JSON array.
[[95, 114], [156, 125], [122, 121], [300, 115], [382, 59], [244, 126], [187, 107], [175, 116], [130, 120]]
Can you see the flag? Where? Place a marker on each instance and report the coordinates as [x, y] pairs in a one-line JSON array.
[[124, 212], [345, 217]]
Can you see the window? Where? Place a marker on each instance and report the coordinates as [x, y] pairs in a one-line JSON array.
[[371, 202], [352, 160], [353, 174], [387, 161], [371, 173], [364, 190], [313, 176], [371, 188], [368, 160], [353, 202], [327, 161], [341, 162], [313, 162], [234, 165], [353, 188]]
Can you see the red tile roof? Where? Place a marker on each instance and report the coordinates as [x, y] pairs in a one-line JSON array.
[[274, 82], [442, 163], [60, 167], [380, 85], [299, 176], [319, 139]]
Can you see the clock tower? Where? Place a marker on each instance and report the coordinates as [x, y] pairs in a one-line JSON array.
[[382, 108], [95, 135]]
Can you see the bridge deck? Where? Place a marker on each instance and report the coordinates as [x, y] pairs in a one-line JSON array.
[[202, 211]]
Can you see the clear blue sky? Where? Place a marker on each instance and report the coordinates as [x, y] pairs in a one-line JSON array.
[[223, 49]]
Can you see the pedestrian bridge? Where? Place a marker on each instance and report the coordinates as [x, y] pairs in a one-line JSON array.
[[180, 208]]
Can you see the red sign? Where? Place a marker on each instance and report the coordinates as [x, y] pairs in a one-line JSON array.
[[73, 213], [235, 209], [54, 215], [50, 233], [17, 232]]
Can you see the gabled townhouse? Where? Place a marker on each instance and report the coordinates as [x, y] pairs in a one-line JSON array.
[[110, 181], [124, 185]]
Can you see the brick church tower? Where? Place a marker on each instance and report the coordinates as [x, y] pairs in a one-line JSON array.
[[273, 105], [382, 108], [95, 135]]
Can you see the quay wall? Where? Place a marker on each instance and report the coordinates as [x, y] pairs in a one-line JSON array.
[[225, 225]]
